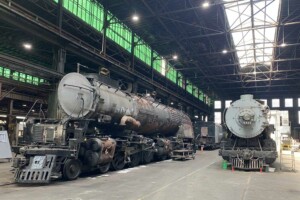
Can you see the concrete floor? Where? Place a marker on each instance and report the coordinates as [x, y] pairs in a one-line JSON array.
[[201, 178]]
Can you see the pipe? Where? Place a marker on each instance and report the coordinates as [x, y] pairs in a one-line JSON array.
[[127, 119]]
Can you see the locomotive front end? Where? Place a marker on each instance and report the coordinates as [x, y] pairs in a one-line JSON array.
[[248, 144]]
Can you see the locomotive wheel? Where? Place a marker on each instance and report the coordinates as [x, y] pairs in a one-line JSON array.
[[164, 157], [71, 169], [147, 156], [135, 160], [104, 168], [161, 157], [118, 161]]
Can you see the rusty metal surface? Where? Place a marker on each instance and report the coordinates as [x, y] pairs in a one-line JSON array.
[[98, 151], [141, 114]]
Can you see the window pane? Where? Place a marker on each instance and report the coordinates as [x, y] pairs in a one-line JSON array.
[[189, 87], [218, 119], [122, 35], [275, 103], [157, 62], [89, 11], [180, 80], [1, 71], [217, 104], [288, 102], [6, 73], [227, 103], [201, 96], [22, 77], [35, 80], [29, 79], [265, 101], [15, 76]]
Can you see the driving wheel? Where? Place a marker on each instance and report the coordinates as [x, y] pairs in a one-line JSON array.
[[118, 161], [71, 169]]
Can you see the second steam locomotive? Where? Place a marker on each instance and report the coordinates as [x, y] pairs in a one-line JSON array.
[[101, 127], [248, 144]]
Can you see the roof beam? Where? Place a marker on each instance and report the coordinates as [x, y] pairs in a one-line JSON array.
[[234, 64]]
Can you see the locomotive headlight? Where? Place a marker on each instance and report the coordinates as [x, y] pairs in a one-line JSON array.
[[247, 117]]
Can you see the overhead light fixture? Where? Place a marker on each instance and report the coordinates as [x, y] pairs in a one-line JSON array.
[[3, 115], [172, 103], [20, 117], [283, 45], [27, 46], [196, 116], [135, 18], [24, 105], [224, 51], [175, 57], [205, 5], [32, 110]]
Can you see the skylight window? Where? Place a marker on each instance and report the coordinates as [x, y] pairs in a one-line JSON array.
[[253, 34]]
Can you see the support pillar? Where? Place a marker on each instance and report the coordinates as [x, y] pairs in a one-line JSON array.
[[11, 123], [61, 54], [169, 100], [105, 26], [132, 51], [134, 87], [59, 64], [151, 65], [53, 104], [60, 15]]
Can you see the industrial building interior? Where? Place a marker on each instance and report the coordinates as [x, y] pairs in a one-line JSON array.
[[157, 71]]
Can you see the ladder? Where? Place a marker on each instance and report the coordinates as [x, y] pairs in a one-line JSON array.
[[287, 160]]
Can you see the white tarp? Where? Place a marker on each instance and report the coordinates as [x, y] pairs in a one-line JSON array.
[[5, 150]]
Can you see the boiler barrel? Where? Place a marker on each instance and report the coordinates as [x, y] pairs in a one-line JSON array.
[[79, 97]]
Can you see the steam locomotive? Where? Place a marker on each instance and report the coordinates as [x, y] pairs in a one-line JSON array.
[[101, 128], [248, 144]]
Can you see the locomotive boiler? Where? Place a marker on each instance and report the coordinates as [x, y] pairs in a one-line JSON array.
[[248, 144], [101, 128], [79, 97]]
